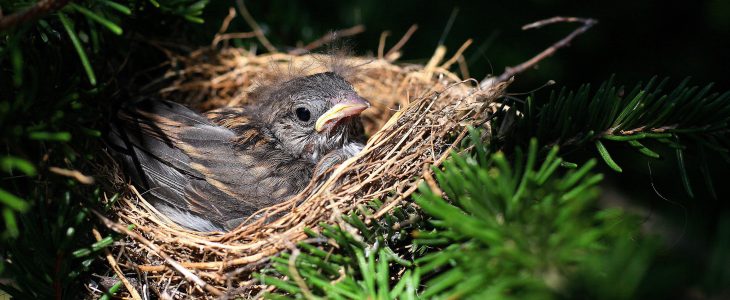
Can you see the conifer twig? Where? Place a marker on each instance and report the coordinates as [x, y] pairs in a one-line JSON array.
[[511, 71], [36, 11]]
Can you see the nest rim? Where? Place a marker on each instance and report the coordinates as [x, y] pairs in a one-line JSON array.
[[161, 243]]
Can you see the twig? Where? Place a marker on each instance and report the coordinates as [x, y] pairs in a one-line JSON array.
[[458, 54], [227, 20], [227, 36], [381, 45], [357, 29], [256, 28], [113, 263], [428, 178], [437, 57], [402, 41], [213, 265], [557, 19], [463, 67], [36, 11], [511, 71], [173, 263], [222, 36], [75, 174]]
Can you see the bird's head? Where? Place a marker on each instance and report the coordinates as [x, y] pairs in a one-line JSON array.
[[312, 115]]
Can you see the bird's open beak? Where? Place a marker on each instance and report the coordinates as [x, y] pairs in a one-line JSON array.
[[343, 109]]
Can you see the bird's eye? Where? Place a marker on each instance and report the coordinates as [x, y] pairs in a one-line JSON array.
[[303, 114]]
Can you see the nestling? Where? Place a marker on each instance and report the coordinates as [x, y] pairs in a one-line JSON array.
[[209, 172]]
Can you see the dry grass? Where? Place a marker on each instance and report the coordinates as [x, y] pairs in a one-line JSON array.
[[418, 113]]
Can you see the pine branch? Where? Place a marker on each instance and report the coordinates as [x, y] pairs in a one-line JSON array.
[[492, 229], [682, 117]]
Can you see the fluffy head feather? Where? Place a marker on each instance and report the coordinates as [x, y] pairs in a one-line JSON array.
[[291, 109], [334, 60]]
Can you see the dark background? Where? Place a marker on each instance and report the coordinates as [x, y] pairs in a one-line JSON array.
[[634, 39]]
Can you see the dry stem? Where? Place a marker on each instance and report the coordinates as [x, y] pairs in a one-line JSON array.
[[512, 71], [34, 12], [390, 56]]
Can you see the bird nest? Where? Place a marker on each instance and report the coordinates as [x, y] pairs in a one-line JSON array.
[[418, 114]]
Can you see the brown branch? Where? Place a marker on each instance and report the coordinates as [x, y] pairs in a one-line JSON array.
[[256, 28], [357, 29], [36, 11], [511, 71], [75, 174], [228, 36], [222, 36], [227, 20]]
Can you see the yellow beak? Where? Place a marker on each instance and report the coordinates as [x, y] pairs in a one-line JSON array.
[[338, 112]]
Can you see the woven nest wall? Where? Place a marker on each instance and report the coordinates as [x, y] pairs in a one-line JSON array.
[[417, 114]]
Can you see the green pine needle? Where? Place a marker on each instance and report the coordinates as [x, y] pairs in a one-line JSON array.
[[683, 172], [116, 6], [68, 25], [12, 201], [503, 229], [647, 112], [114, 28], [10, 163], [11, 225], [607, 157], [643, 149], [50, 136]]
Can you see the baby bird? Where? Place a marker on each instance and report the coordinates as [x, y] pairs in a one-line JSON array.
[[209, 172]]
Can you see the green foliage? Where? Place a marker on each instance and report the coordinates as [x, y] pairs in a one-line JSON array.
[[41, 259], [59, 72], [366, 263], [498, 231], [644, 114]]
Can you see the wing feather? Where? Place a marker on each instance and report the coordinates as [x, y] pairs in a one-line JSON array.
[[195, 166]]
